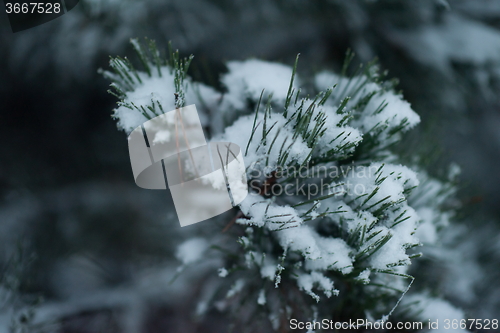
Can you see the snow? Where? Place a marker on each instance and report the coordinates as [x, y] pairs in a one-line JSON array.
[[262, 212], [261, 300], [427, 200], [192, 250], [454, 171], [375, 197], [160, 90], [236, 288], [429, 308], [393, 252], [398, 178], [335, 135], [393, 114], [456, 254], [326, 79], [456, 39], [430, 192], [352, 219], [364, 276], [244, 241], [223, 272], [306, 283], [367, 188], [268, 269], [241, 130], [301, 239], [335, 254], [426, 231], [248, 79], [399, 284], [321, 253]]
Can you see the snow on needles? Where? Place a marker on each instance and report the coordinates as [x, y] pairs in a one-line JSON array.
[[385, 110], [360, 224], [247, 79], [156, 89]]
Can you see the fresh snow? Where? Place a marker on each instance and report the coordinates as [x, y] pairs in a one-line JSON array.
[[247, 79], [192, 250]]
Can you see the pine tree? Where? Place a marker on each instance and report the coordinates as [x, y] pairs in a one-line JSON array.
[[333, 221]]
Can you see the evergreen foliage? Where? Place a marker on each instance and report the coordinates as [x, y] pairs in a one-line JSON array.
[[332, 220]]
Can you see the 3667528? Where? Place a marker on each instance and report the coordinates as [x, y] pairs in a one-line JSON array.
[[33, 7]]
